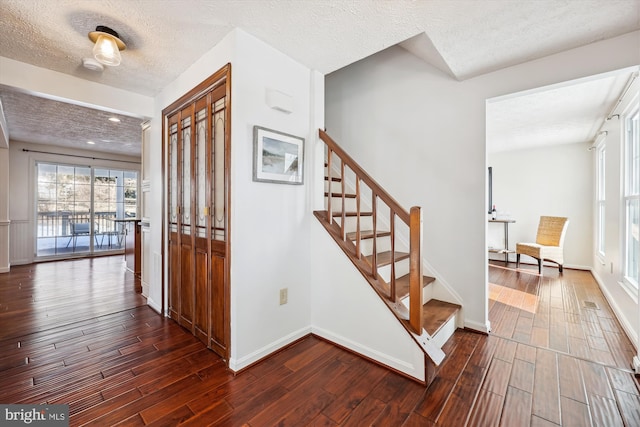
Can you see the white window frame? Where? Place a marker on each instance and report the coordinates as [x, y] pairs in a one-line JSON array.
[[601, 199], [631, 189]]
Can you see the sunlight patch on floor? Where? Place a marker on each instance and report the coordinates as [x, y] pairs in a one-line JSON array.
[[513, 298]]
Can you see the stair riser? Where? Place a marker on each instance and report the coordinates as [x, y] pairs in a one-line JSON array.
[[383, 244], [427, 294], [402, 268], [336, 204], [336, 187], [350, 223]]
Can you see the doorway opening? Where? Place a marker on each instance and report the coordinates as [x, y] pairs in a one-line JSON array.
[[77, 208]]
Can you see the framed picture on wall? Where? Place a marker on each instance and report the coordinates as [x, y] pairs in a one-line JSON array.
[[277, 157]]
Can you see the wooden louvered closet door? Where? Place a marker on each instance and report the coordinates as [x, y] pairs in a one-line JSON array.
[[198, 156]]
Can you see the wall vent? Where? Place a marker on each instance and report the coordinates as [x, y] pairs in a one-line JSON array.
[[591, 305]]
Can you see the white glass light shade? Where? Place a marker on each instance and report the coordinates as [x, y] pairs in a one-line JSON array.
[[106, 50]]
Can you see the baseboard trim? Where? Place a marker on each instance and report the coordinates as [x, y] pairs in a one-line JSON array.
[[483, 328], [156, 307], [626, 326], [145, 290], [389, 362], [5, 269], [238, 365], [421, 382]]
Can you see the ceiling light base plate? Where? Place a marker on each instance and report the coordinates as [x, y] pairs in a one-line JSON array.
[[92, 64]]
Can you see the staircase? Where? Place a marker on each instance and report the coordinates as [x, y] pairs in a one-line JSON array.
[[384, 242]]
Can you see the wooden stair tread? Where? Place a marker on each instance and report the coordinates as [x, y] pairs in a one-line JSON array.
[[353, 213], [348, 196], [402, 285], [367, 234], [384, 258], [333, 178], [436, 313]]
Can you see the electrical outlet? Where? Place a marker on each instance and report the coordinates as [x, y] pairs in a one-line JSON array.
[[284, 295]]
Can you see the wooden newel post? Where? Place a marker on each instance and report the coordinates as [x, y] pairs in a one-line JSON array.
[[415, 269]]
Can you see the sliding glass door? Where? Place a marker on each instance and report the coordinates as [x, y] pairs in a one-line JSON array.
[[77, 208], [114, 198]]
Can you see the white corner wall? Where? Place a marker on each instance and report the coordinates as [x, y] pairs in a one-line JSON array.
[[553, 181], [4, 210], [347, 311], [269, 222], [608, 270], [421, 135]]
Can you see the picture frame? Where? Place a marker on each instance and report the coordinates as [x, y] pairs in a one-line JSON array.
[[278, 157]]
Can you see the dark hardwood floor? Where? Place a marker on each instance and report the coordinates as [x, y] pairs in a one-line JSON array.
[[77, 333]]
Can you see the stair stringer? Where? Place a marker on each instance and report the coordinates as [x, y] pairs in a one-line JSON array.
[[346, 310]]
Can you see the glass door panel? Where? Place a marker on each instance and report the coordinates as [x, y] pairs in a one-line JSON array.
[[186, 176], [218, 158], [77, 206], [173, 184], [201, 173]]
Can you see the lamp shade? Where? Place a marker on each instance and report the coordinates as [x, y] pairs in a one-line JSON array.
[[106, 50], [107, 45]]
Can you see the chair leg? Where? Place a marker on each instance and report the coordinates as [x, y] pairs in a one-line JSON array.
[[540, 266], [560, 268], [517, 260]]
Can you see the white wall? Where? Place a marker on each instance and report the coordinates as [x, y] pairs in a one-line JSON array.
[[21, 173], [270, 222], [553, 181], [347, 311], [4, 210], [421, 134], [608, 270], [4, 194]]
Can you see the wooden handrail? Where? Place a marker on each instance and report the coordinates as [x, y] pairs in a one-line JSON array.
[[371, 183], [413, 220]]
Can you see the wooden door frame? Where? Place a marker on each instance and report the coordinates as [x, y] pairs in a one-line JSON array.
[[222, 76]]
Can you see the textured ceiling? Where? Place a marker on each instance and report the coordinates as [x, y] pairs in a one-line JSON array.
[[562, 114], [464, 38], [44, 121], [164, 37]]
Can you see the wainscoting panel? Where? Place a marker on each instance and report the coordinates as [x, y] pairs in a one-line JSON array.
[[21, 242]]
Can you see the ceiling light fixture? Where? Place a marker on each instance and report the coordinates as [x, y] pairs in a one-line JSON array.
[[90, 142], [107, 46], [114, 119]]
